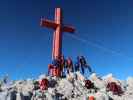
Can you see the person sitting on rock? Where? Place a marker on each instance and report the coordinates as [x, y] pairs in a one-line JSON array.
[[43, 84], [115, 88]]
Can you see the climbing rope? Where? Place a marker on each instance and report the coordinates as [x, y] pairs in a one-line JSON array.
[[99, 46]]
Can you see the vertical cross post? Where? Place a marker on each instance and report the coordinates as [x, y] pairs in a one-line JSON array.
[[59, 28]]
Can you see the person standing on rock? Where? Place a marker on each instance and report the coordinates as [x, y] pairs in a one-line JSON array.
[[83, 64], [69, 65], [62, 65]]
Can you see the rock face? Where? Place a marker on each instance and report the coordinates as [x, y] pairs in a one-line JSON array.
[[73, 87]]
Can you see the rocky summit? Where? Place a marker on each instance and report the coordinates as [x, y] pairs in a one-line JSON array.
[[72, 87]]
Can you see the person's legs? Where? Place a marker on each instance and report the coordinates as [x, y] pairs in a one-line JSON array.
[[89, 68], [67, 70], [82, 68], [63, 72]]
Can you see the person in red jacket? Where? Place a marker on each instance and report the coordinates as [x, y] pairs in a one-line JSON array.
[[115, 88], [43, 84]]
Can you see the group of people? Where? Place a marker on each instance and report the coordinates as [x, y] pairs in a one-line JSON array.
[[62, 66]]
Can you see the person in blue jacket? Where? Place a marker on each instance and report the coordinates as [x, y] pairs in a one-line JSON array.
[[83, 64]]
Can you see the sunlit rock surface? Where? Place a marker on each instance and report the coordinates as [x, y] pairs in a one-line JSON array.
[[70, 88]]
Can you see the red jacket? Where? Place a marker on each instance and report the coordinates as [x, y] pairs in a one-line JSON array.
[[43, 84]]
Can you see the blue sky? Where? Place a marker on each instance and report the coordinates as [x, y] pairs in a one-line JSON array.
[[103, 35]]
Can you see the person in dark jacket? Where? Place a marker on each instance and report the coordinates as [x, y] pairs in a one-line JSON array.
[[76, 66], [62, 65], [56, 62], [69, 65], [83, 64]]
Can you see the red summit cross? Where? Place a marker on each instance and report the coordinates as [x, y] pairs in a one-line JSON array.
[[59, 28]]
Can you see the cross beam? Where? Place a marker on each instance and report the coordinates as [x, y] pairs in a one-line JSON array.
[[59, 28]]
